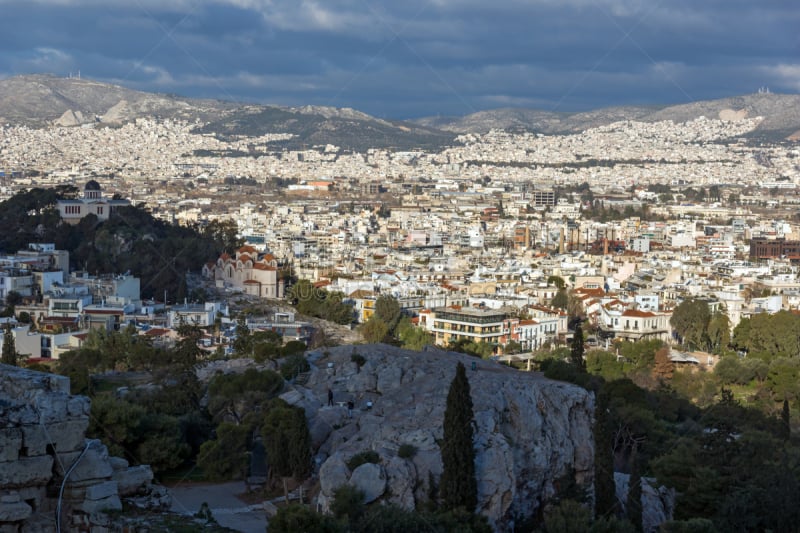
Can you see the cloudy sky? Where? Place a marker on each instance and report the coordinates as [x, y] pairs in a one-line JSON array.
[[411, 58]]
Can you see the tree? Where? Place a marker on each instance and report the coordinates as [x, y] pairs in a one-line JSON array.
[[633, 507], [577, 349], [690, 321], [232, 396], [287, 441], [374, 330], [243, 343], [9, 355], [574, 305], [719, 331], [458, 486], [13, 299], [387, 309], [604, 485], [664, 367], [224, 233], [786, 420], [412, 337], [560, 300], [226, 456]]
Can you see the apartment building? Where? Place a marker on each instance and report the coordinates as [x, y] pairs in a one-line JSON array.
[[452, 324]]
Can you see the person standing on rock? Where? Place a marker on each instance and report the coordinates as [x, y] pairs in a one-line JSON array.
[[350, 406], [330, 397]]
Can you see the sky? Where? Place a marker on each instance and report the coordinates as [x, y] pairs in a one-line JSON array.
[[412, 58]]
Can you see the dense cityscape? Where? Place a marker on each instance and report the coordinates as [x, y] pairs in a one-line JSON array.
[[213, 286]]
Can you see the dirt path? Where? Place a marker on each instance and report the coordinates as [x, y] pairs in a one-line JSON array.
[[226, 508]]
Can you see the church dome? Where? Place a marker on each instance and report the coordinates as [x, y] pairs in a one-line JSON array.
[[91, 185]]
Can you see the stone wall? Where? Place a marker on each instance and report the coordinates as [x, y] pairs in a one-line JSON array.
[[42, 437]]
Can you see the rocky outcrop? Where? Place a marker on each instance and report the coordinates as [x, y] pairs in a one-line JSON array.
[[529, 430], [42, 442], [658, 503], [70, 118]]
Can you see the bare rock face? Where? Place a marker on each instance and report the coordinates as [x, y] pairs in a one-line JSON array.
[[529, 431], [42, 440], [70, 118], [658, 503]]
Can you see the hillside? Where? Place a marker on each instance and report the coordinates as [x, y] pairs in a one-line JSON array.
[[43, 100], [781, 114]]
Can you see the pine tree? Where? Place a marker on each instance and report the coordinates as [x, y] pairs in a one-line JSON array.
[[9, 354], [604, 487], [576, 353], [458, 486]]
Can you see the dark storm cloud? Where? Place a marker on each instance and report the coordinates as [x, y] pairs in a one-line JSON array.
[[417, 57]]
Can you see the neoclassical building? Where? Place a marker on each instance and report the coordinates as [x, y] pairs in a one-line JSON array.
[[92, 203], [253, 273]]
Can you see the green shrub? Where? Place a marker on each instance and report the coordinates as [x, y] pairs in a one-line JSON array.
[[358, 359], [367, 456], [407, 451], [294, 365]]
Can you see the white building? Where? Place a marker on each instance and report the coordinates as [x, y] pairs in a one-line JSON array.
[[72, 210]]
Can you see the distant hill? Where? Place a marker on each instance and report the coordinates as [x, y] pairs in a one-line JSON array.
[[781, 114], [42, 100]]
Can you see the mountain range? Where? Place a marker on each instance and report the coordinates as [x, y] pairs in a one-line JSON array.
[[40, 100]]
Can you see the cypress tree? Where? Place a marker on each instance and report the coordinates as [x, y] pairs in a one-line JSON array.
[[576, 353], [287, 442], [458, 486], [634, 503], [785, 418], [9, 354], [604, 487]]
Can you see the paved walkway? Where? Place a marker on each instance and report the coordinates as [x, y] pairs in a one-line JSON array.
[[226, 508]]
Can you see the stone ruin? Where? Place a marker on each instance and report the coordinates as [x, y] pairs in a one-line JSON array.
[[51, 477]]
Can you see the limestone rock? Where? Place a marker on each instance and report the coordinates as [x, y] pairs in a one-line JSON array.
[[26, 471], [102, 490], [400, 475], [112, 503], [70, 118], [39, 422], [10, 444], [117, 463], [117, 113], [658, 503], [371, 479], [92, 465], [157, 498], [529, 431], [333, 474], [70, 436], [133, 480], [14, 512]]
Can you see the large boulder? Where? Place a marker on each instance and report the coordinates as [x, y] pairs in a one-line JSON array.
[[371, 480], [529, 431]]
